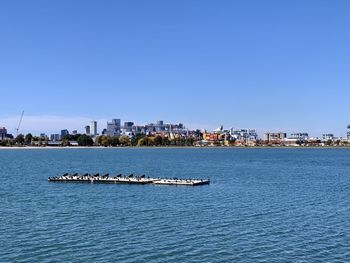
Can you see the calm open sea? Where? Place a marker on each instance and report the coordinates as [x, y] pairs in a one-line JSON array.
[[272, 205]]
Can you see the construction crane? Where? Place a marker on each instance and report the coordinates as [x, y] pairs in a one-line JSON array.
[[19, 124]]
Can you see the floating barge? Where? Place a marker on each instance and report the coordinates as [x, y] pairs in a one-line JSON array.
[[125, 179]]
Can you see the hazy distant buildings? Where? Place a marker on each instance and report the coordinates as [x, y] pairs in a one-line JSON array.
[[55, 137], [64, 133], [219, 129], [3, 133], [160, 126], [328, 136], [113, 128], [300, 136], [87, 130], [177, 133], [221, 136], [139, 129], [244, 135], [275, 136], [43, 136], [127, 127], [93, 128]]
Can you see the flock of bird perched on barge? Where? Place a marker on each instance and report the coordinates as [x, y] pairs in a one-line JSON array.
[[128, 179]]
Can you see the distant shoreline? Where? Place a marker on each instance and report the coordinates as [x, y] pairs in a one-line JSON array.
[[169, 147]]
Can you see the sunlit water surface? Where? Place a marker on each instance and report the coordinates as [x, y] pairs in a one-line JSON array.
[[272, 205]]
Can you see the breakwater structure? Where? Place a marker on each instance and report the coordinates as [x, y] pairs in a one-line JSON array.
[[124, 179]]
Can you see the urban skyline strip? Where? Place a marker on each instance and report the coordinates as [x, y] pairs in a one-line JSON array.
[[172, 131]]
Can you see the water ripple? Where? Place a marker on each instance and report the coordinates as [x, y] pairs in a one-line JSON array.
[[263, 205]]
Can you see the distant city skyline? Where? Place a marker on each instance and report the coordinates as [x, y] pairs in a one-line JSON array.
[[54, 124], [267, 65]]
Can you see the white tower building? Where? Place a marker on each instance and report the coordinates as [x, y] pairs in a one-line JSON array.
[[93, 128]]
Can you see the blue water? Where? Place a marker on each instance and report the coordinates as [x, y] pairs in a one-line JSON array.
[[263, 205]]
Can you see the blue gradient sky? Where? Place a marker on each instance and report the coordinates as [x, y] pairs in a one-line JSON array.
[[270, 65]]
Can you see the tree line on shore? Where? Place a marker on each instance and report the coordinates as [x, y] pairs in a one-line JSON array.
[[28, 139], [143, 140], [103, 140]]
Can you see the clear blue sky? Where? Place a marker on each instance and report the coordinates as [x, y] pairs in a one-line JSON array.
[[269, 65]]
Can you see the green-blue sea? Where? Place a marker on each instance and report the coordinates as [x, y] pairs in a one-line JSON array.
[[263, 205]]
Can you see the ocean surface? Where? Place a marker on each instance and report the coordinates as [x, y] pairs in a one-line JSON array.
[[263, 205]]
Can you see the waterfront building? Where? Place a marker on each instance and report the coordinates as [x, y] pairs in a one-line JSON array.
[[348, 133], [175, 127], [113, 128], [150, 128], [64, 133], [226, 137], [328, 136], [275, 136], [219, 129], [55, 137], [87, 130], [300, 136], [3, 133], [211, 137], [138, 129], [127, 128], [54, 142], [290, 142], [93, 128], [159, 126], [9, 136], [243, 135], [43, 136], [130, 134]]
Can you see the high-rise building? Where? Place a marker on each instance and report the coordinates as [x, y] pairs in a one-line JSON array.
[[3, 133], [87, 130], [93, 128], [113, 128], [348, 133], [54, 137], [159, 126], [64, 133], [128, 126], [139, 129]]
